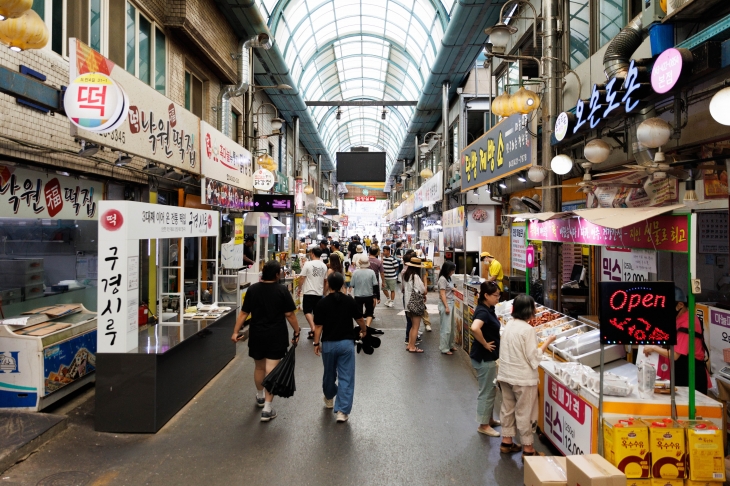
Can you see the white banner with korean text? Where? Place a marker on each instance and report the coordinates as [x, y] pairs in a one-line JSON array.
[[26, 193], [224, 160]]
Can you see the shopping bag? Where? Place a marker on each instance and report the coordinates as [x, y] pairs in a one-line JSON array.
[[280, 381]]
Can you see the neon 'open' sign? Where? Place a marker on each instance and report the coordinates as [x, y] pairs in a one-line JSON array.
[[638, 313]]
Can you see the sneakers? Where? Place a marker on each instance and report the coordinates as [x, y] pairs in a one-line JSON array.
[[418, 340], [329, 402], [342, 417], [260, 401], [389, 303], [428, 328], [266, 416]]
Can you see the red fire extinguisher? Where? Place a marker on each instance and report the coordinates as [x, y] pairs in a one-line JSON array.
[[143, 312]]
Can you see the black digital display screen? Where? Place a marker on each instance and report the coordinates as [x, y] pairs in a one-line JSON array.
[[360, 166], [638, 313], [273, 203]]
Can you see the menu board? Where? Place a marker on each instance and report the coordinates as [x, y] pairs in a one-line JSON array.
[[638, 313], [713, 233]]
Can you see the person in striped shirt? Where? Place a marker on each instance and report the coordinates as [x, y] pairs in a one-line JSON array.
[[390, 266]]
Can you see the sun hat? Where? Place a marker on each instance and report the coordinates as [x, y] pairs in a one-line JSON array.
[[363, 263], [415, 262], [359, 249]]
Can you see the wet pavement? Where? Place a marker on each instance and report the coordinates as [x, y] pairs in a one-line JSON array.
[[413, 422]]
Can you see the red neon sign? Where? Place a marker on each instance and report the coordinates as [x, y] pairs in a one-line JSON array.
[[638, 313]]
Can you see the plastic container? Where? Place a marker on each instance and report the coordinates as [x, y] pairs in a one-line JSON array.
[[661, 37]]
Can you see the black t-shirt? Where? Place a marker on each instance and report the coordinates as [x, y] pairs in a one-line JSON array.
[[335, 314], [490, 330], [352, 247], [325, 256], [248, 253], [267, 303]]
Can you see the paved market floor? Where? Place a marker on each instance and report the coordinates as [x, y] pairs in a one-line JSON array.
[[412, 423]]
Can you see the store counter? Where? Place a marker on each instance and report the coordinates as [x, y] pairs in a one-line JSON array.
[[141, 390], [569, 418], [41, 363]]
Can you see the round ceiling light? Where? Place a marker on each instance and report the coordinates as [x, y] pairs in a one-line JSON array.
[[561, 164], [653, 133], [537, 173], [720, 106], [597, 151]]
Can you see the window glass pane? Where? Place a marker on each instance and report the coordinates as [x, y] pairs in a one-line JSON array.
[[131, 58], [160, 61], [40, 8], [234, 126], [95, 24], [579, 31], [611, 15], [513, 77], [187, 90], [57, 26], [145, 46]]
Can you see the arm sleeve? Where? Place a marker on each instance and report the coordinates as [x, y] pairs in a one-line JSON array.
[[442, 283], [530, 348], [375, 280], [288, 300], [248, 300], [305, 270]]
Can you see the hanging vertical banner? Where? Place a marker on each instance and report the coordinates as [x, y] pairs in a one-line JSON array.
[[519, 247], [238, 231]]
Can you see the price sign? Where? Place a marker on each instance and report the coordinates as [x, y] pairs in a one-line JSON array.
[[364, 198], [638, 313], [568, 418]]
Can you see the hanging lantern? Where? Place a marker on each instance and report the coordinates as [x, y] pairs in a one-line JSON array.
[[328, 204], [11, 9], [720, 106], [308, 189], [426, 173], [26, 32], [654, 132], [397, 203], [405, 195], [501, 105], [524, 101], [597, 151]]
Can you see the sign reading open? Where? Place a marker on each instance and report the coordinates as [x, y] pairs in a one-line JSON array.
[[638, 313]]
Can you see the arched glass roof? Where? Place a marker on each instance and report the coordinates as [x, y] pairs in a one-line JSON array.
[[377, 50]]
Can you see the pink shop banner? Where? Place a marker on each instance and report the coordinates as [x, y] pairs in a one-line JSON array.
[[666, 233]]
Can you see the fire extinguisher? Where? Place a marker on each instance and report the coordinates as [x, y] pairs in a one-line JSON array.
[[143, 312]]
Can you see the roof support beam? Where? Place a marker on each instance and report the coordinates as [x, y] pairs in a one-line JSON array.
[[361, 103]]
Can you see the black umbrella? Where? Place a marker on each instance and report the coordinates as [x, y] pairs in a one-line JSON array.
[[280, 381]]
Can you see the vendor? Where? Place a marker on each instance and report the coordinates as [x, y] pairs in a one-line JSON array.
[[495, 273], [681, 350], [248, 250]]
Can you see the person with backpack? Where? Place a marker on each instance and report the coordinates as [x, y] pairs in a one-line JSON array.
[[415, 300]]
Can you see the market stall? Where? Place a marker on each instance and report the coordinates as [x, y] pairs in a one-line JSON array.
[[569, 408], [146, 374]]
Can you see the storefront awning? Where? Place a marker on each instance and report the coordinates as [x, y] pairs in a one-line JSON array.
[[614, 218], [276, 226]]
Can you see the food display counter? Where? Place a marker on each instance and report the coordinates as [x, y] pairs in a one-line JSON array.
[[140, 390], [42, 362]]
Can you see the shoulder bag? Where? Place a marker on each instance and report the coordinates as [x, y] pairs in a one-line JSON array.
[[416, 303]]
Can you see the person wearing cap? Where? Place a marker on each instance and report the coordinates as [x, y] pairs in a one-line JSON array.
[[364, 282], [681, 349], [248, 250], [325, 251], [494, 272], [412, 282], [352, 248]]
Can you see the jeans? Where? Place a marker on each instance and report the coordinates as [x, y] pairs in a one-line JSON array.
[[486, 374], [448, 327], [338, 381]]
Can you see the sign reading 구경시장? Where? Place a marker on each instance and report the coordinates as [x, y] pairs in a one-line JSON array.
[[665, 233], [505, 149]]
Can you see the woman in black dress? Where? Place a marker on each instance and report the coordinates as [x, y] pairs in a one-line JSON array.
[[270, 306]]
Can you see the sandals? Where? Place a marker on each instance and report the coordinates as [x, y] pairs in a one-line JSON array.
[[448, 353], [417, 350], [509, 448], [310, 335], [533, 453]]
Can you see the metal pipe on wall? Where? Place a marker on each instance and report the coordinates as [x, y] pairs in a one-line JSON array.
[[297, 172], [445, 139]]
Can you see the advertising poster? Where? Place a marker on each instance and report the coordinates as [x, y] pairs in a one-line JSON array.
[[519, 247], [156, 128], [458, 316], [28, 193], [617, 265], [653, 193], [568, 419], [238, 231], [222, 195], [715, 183], [719, 335], [68, 361]]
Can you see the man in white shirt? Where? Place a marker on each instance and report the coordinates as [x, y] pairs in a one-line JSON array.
[[312, 283]]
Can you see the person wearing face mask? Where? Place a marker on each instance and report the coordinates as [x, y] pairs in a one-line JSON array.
[[681, 350]]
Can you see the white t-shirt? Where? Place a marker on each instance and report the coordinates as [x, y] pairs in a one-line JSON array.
[[315, 271]]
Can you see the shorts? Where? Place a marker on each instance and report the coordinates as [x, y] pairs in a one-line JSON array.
[[348, 284], [390, 284], [369, 305], [267, 347], [309, 302]]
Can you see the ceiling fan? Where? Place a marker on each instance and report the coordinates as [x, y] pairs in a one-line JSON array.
[[525, 204], [588, 184]]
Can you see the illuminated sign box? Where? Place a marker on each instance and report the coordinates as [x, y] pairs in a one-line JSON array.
[[273, 203], [638, 313]]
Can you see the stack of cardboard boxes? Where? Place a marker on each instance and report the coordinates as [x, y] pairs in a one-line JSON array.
[[589, 470]]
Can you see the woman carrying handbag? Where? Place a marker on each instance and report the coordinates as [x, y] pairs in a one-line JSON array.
[[415, 300]]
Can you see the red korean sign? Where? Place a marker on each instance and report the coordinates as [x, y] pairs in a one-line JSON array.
[[365, 198], [344, 220], [568, 418], [664, 233]]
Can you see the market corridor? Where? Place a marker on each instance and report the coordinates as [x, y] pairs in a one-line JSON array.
[[412, 423]]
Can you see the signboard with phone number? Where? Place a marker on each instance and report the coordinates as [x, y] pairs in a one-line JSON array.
[[568, 419]]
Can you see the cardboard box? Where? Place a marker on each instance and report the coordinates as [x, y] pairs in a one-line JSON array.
[[593, 470], [667, 447], [667, 482], [545, 471], [626, 446], [638, 482], [705, 460]]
